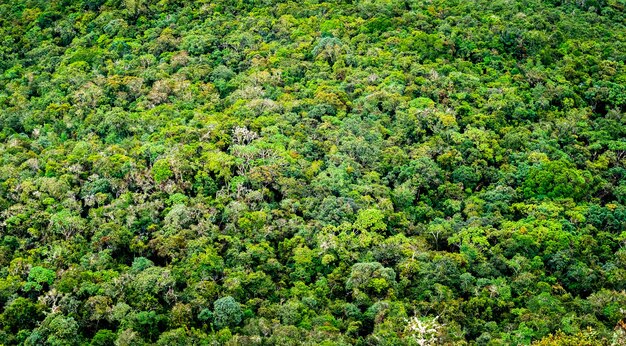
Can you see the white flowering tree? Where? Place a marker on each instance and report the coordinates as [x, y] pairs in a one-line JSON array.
[[424, 330]]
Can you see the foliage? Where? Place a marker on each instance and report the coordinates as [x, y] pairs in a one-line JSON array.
[[312, 172], [227, 312]]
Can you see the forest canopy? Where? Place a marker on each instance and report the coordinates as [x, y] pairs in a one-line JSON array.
[[349, 172]]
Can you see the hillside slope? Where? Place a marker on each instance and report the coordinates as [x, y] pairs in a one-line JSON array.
[[376, 172]]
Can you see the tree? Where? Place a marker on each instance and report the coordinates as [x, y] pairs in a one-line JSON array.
[[103, 337], [557, 179], [370, 220], [226, 312], [328, 48], [424, 331], [55, 330], [161, 171], [371, 278], [38, 278], [20, 313]]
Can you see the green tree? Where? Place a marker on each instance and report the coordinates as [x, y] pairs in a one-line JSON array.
[[226, 312], [161, 171], [38, 278], [370, 220]]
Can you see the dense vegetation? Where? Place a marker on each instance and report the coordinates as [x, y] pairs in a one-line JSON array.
[[372, 172]]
